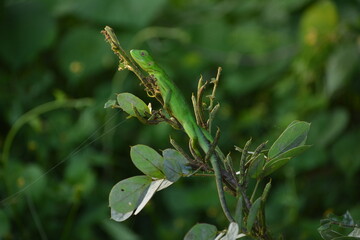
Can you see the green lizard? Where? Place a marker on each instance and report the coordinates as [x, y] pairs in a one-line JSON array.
[[175, 104]]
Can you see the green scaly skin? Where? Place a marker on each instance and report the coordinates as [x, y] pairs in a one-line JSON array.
[[175, 104]]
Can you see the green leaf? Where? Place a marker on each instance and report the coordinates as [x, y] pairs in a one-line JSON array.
[[148, 161], [27, 28], [266, 191], [201, 231], [253, 213], [292, 123], [292, 152], [239, 212], [128, 102], [340, 222], [274, 165], [110, 103], [294, 135], [145, 196], [346, 219], [175, 165], [126, 195], [330, 234], [256, 166]]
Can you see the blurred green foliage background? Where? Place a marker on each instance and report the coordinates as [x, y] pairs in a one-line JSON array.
[[281, 60]]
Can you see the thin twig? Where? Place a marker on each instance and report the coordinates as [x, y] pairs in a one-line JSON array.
[[196, 110], [229, 165], [127, 62], [212, 115], [111, 38], [242, 175], [213, 146], [199, 101], [254, 191], [256, 153], [215, 82]]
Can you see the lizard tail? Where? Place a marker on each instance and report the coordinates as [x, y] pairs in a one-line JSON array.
[[204, 143]]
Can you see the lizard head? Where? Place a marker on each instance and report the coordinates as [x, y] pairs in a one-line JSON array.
[[143, 58]]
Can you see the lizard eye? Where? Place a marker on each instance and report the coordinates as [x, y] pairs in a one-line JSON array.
[[142, 53]]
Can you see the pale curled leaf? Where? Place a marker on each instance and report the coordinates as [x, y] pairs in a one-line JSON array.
[[219, 237], [154, 186], [232, 232], [164, 184], [355, 233], [143, 196]]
